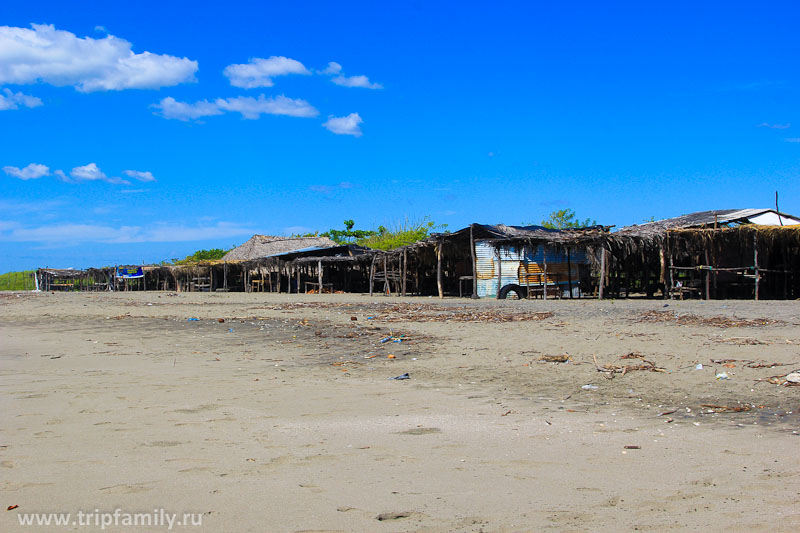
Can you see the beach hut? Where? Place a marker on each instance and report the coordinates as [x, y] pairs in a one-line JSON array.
[[729, 253]]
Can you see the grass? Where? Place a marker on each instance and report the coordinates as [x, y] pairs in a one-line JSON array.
[[17, 281], [400, 234]]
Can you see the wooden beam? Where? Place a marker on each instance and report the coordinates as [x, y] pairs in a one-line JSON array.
[[569, 274], [319, 275], [439, 269], [527, 271], [499, 272], [371, 274], [387, 288], [602, 272], [474, 263], [755, 260], [671, 271], [405, 270], [544, 264]]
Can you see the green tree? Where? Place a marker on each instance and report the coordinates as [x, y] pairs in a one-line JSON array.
[[566, 219], [348, 235], [202, 255]]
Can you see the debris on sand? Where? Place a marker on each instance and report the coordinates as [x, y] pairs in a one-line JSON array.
[[726, 408], [555, 358], [610, 369], [714, 321], [392, 516]]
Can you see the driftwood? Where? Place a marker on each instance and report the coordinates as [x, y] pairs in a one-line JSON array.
[[610, 369], [555, 358], [726, 408]]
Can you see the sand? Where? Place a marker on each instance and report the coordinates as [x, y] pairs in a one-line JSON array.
[[277, 419]]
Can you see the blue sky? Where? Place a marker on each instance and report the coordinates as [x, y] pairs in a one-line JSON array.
[[240, 118]]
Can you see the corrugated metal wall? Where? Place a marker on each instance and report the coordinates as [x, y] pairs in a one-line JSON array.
[[517, 264]]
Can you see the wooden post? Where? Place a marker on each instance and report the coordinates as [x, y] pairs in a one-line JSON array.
[[708, 274], [569, 275], [527, 272], [602, 272], [439, 268], [225, 275], [297, 274], [405, 269], [499, 272], [319, 275], [474, 263], [544, 264], [671, 270], [371, 274], [387, 289], [755, 260]]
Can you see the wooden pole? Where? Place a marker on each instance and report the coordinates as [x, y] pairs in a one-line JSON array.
[[671, 270], [527, 270], [708, 274], [439, 269], [387, 289], [499, 272], [319, 274], [371, 274], [602, 272], [569, 274], [297, 274], [474, 262], [755, 260], [405, 269], [544, 264]]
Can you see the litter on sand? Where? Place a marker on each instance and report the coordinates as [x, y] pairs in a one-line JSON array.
[[402, 376]]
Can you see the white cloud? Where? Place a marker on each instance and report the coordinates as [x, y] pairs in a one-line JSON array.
[[793, 140], [60, 175], [329, 189], [332, 68], [348, 125], [356, 81], [172, 109], [58, 57], [249, 107], [138, 175], [335, 69], [774, 126], [79, 233], [91, 172], [252, 108], [258, 72], [31, 172], [11, 100]]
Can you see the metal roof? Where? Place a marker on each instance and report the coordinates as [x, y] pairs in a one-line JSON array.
[[722, 217]]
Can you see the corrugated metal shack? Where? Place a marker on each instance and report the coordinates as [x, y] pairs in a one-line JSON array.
[[493, 261]]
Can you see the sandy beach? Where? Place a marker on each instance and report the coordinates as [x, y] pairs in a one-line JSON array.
[[274, 412]]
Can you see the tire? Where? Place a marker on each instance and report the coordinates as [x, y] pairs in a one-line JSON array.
[[519, 291]]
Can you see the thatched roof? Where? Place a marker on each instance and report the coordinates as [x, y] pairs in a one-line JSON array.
[[259, 246], [500, 233]]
